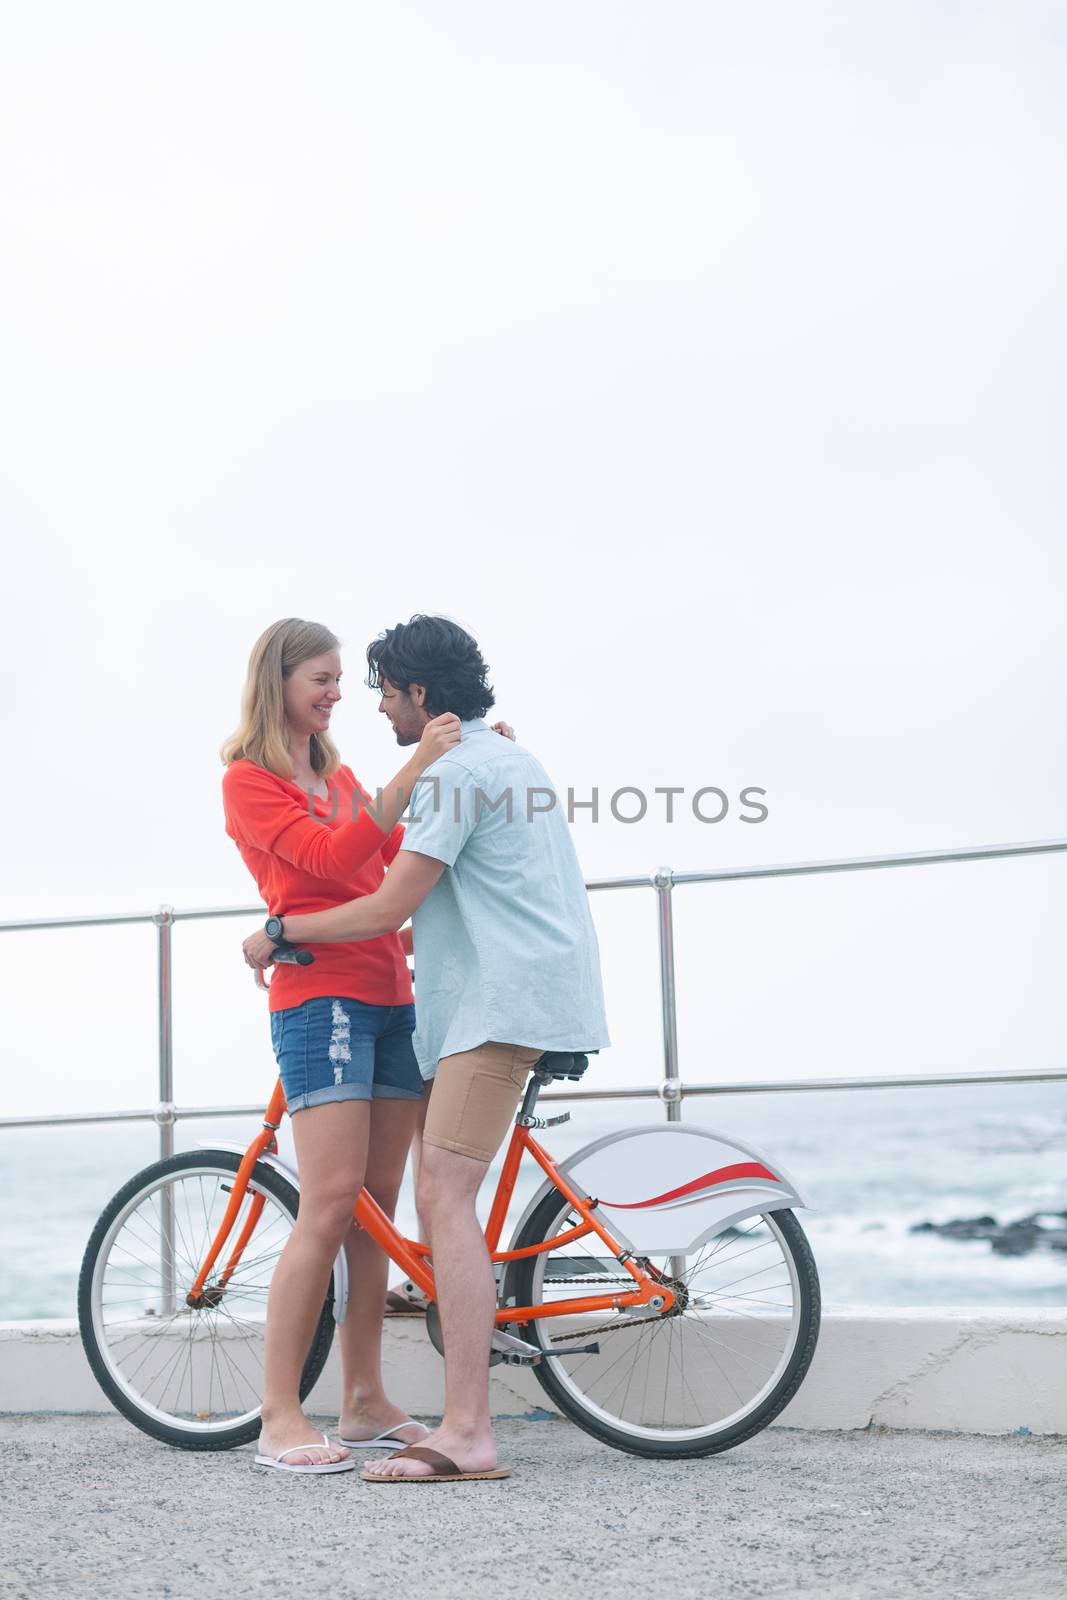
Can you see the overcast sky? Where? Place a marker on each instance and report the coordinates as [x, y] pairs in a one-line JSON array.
[[705, 360]]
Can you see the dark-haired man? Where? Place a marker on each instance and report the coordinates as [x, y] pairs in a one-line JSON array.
[[507, 967]]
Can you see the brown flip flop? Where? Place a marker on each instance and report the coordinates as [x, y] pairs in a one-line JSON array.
[[444, 1470]]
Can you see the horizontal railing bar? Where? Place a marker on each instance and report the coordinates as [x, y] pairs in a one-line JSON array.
[[206, 913], [620, 883], [180, 1113], [932, 1080], [637, 1092], [106, 919], [197, 913], [792, 869], [75, 1118], [918, 858]]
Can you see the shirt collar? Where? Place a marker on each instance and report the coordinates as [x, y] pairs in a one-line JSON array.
[[472, 725]]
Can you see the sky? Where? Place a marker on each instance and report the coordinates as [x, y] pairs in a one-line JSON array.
[[705, 361]]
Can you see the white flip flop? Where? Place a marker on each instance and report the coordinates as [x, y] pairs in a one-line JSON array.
[[385, 1441], [307, 1466]]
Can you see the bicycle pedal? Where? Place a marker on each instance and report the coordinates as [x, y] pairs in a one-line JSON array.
[[514, 1352]]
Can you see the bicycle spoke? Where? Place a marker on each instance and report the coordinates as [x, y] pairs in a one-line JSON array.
[[710, 1359], [196, 1367]]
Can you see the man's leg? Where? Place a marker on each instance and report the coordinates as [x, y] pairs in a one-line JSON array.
[[474, 1101], [466, 1297]]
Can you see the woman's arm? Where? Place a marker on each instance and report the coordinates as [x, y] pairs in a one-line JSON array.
[[260, 813]]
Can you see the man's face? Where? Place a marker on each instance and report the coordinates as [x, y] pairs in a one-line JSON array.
[[406, 711]]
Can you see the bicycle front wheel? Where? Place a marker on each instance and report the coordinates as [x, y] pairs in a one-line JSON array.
[[190, 1376], [701, 1378]]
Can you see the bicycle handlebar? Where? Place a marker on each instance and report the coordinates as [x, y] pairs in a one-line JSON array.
[[290, 953], [293, 954]]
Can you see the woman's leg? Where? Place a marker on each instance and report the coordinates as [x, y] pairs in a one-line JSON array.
[[365, 1410], [331, 1148]]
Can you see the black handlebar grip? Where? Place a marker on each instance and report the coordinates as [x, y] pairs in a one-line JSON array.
[[292, 954]]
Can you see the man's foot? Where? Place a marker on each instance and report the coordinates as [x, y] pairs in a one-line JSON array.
[[289, 1430], [368, 1422], [470, 1452]]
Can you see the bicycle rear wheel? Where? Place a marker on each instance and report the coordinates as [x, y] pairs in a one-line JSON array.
[[190, 1376], [698, 1379]]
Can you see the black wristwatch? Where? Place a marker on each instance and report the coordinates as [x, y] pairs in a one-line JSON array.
[[274, 930]]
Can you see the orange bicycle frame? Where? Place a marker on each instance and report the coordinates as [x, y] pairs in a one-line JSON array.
[[412, 1257]]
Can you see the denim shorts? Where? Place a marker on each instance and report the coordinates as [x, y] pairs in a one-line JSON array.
[[343, 1049]]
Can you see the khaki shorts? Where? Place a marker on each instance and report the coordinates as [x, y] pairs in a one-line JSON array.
[[475, 1096]]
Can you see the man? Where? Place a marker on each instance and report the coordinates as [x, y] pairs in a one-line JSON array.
[[506, 966]]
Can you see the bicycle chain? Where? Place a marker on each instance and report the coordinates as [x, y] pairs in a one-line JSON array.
[[585, 1278], [606, 1327]]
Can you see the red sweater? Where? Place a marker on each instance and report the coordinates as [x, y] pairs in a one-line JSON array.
[[303, 863]]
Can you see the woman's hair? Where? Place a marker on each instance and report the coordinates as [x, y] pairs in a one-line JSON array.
[[261, 733], [438, 654]]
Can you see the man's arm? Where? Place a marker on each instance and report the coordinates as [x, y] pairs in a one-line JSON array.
[[407, 883]]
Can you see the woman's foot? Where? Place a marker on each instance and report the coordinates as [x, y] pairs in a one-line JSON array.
[[471, 1452], [288, 1430], [369, 1420]]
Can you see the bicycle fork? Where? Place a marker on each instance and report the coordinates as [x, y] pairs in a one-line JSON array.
[[202, 1294]]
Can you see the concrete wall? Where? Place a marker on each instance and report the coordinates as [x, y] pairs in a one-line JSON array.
[[969, 1371]]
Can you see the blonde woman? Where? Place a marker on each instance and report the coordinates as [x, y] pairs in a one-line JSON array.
[[341, 1028]]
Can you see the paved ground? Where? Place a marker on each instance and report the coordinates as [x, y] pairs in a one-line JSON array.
[[92, 1507]]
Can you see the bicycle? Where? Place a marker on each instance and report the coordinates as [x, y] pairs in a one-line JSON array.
[[683, 1350]]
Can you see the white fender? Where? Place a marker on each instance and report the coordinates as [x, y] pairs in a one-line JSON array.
[[666, 1190], [290, 1174]]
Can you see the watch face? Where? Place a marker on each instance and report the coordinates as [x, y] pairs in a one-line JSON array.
[[274, 928]]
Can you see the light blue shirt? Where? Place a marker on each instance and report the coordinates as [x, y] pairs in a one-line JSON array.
[[504, 943]]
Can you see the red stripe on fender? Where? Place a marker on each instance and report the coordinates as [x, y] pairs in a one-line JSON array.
[[740, 1169]]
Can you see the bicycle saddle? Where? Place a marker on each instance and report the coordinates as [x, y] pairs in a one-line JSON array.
[[563, 1063]]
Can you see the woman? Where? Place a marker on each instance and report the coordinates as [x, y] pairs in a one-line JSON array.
[[341, 1028]]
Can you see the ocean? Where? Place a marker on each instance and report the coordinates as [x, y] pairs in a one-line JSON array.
[[871, 1162]]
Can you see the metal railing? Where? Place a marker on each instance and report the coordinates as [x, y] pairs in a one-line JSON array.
[[671, 1090]]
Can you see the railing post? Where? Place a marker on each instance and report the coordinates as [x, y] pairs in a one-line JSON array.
[[671, 1093], [164, 921], [670, 1089]]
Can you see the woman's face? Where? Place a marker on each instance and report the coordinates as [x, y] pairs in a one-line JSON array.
[[311, 691]]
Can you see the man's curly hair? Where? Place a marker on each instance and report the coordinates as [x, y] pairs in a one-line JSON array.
[[442, 657]]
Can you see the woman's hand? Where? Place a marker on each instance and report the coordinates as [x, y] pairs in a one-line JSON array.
[[505, 728], [438, 737], [258, 949]]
